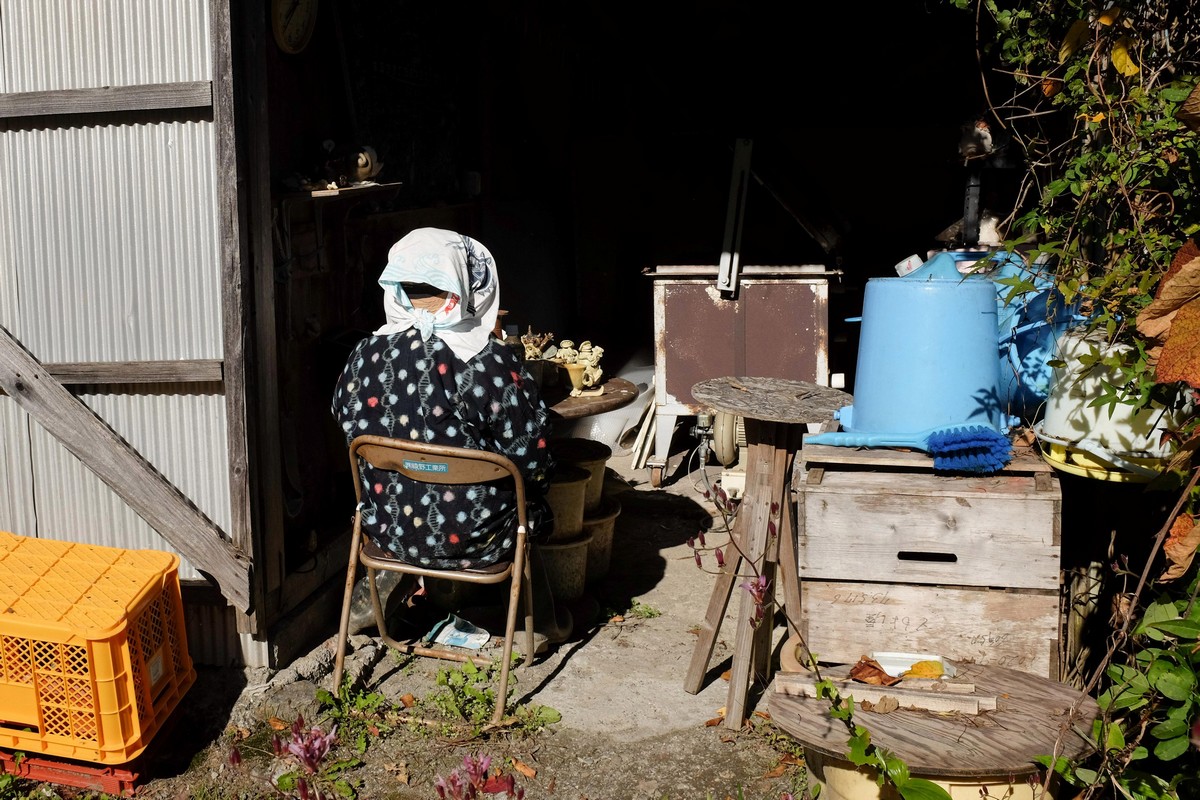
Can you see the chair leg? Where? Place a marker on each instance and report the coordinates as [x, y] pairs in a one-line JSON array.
[[344, 624], [510, 626], [527, 582]]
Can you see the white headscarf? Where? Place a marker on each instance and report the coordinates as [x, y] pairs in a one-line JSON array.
[[450, 262]]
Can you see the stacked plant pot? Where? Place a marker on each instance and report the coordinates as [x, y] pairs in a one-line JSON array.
[[565, 552], [600, 511]]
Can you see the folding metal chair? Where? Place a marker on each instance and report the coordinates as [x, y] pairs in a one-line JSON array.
[[430, 463]]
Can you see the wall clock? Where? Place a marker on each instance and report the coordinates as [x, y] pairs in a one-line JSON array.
[[293, 22]]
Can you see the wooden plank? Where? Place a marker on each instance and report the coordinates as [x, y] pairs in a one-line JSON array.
[[752, 519], [264, 433], [124, 470], [233, 267], [845, 620], [121, 372], [718, 602], [921, 528], [107, 99], [921, 699], [1026, 460], [1033, 716]]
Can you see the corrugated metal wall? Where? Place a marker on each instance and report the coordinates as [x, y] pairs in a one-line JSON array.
[[108, 252], [78, 44]]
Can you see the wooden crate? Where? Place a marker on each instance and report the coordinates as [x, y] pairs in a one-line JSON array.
[[893, 557]]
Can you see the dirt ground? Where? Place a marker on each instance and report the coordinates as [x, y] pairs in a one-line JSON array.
[[627, 730]]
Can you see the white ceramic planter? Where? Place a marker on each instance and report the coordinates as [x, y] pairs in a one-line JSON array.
[[1129, 439]]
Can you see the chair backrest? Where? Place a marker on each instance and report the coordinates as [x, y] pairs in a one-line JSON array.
[[434, 463]]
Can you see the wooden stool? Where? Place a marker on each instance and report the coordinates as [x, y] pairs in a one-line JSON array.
[[776, 412]]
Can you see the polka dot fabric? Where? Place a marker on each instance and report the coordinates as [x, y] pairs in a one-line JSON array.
[[405, 388]]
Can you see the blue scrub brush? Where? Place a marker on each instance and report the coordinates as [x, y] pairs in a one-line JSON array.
[[955, 448]]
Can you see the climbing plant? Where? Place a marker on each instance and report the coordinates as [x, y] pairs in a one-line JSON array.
[[1098, 103]]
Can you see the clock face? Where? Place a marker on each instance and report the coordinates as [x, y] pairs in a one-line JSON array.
[[293, 22]]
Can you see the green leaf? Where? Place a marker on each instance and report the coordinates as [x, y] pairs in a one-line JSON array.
[[1169, 729], [1085, 777], [1115, 738], [922, 789], [859, 753], [1170, 749], [1179, 627], [897, 770], [1177, 684]]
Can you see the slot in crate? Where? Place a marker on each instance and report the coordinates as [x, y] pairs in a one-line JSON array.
[[93, 648]]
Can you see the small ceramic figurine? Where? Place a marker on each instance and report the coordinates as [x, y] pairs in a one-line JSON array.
[[535, 344], [589, 356], [567, 354]]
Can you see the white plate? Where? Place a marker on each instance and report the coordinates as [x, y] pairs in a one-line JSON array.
[[896, 664]]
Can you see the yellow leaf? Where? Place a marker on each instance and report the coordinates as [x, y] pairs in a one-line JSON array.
[[1110, 16], [1074, 38], [925, 669], [1122, 59], [1097, 117]]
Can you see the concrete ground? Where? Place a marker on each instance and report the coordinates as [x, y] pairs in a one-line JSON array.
[[628, 728]]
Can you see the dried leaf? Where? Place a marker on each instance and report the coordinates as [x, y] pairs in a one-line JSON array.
[[523, 768], [1180, 547], [1180, 284], [617, 620], [1189, 112], [726, 674], [407, 700], [925, 669], [887, 704], [1073, 40], [400, 770], [777, 772], [715, 721], [1051, 87], [1180, 356], [278, 724], [762, 714], [1122, 57], [867, 670], [1110, 15]]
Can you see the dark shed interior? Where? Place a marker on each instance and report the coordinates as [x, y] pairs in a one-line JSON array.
[[586, 142]]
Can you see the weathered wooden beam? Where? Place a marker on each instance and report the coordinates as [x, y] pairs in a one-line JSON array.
[[124, 470], [118, 372], [106, 99], [235, 314]]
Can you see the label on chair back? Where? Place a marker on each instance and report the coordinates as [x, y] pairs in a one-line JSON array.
[[425, 466]]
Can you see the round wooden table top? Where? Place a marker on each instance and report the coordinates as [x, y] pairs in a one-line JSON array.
[[1034, 716], [618, 392], [771, 399]]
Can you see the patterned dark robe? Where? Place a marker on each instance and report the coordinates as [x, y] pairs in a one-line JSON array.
[[402, 387]]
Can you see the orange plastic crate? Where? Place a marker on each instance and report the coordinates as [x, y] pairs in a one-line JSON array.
[[93, 648]]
